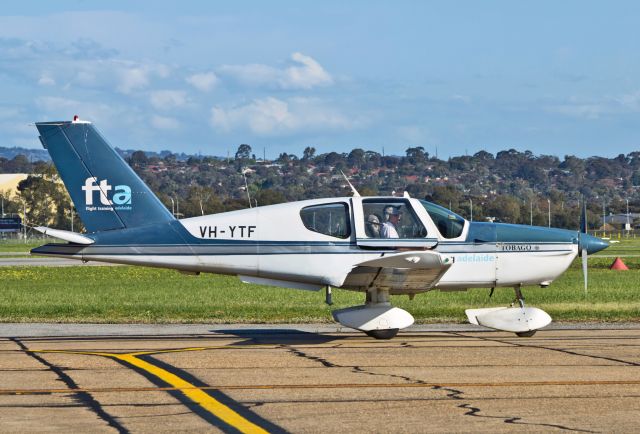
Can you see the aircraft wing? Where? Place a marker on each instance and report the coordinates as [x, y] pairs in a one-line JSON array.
[[401, 273]]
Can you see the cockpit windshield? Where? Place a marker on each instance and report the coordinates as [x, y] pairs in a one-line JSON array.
[[448, 223]]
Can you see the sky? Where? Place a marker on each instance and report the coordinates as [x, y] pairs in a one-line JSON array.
[[455, 77]]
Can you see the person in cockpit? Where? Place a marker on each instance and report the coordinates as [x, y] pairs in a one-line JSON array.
[[392, 216], [373, 226]]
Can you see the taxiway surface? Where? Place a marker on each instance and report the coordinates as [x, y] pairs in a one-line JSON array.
[[315, 379]]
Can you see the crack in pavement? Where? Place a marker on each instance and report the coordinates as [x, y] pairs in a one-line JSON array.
[[454, 394], [83, 398], [560, 350]]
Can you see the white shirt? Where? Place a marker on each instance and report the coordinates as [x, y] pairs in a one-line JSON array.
[[389, 230]]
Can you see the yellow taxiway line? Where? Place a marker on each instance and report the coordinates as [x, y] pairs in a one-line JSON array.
[[194, 393]]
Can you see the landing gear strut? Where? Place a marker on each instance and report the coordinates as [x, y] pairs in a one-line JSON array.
[[520, 300], [377, 318], [519, 297], [327, 295]]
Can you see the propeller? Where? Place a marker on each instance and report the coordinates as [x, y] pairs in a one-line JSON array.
[[583, 245]]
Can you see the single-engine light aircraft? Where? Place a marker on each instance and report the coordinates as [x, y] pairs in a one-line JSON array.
[[380, 246]]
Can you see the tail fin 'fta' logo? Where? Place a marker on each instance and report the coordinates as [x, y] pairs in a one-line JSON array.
[[120, 199]]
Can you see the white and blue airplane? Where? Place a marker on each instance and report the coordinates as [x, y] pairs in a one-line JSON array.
[[311, 244]]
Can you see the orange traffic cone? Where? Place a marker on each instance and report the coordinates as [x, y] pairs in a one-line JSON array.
[[618, 265]]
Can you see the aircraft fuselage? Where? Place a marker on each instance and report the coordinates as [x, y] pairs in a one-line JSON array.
[[273, 243]]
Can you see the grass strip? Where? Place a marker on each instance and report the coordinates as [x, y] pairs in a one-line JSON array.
[[146, 295]]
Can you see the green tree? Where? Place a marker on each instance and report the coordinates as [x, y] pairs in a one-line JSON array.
[[505, 208], [308, 153], [138, 158], [243, 152], [269, 197], [416, 154]]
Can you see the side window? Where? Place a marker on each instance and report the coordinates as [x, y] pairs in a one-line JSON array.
[[449, 223], [329, 219], [391, 219]]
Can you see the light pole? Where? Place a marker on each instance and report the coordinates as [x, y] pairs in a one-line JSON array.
[[531, 213], [24, 220], [471, 208], [549, 204], [2, 197], [173, 207], [628, 228]]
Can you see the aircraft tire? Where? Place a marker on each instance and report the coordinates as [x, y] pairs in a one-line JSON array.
[[526, 334], [382, 334]]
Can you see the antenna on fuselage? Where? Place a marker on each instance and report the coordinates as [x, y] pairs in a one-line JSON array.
[[353, 189]]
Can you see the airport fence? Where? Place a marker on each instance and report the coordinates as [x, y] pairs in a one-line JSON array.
[[7, 239], [617, 234]]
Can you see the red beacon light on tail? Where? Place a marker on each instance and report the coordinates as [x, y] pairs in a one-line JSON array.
[[77, 120]]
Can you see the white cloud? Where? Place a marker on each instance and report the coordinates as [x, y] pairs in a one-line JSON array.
[[252, 74], [203, 81], [132, 79], [462, 98], [304, 73], [168, 99], [129, 76], [164, 122], [103, 114], [46, 80], [584, 111], [55, 66], [132, 76], [631, 100], [413, 134], [597, 107], [52, 103], [273, 116], [307, 74]]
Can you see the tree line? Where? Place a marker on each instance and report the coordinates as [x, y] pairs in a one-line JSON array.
[[510, 186]]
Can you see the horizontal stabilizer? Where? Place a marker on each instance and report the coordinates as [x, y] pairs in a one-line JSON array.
[[69, 236], [509, 319]]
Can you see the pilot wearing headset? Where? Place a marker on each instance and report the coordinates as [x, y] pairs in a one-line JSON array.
[[392, 217]]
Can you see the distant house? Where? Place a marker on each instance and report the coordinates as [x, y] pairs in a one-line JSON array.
[[620, 220]]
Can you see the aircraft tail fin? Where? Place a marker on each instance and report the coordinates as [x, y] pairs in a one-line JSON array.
[[107, 193]]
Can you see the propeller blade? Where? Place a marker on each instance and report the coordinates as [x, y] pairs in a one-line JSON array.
[[583, 230], [583, 217], [584, 270]]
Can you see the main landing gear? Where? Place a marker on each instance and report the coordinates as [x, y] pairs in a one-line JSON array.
[[520, 300], [522, 320], [377, 318]]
